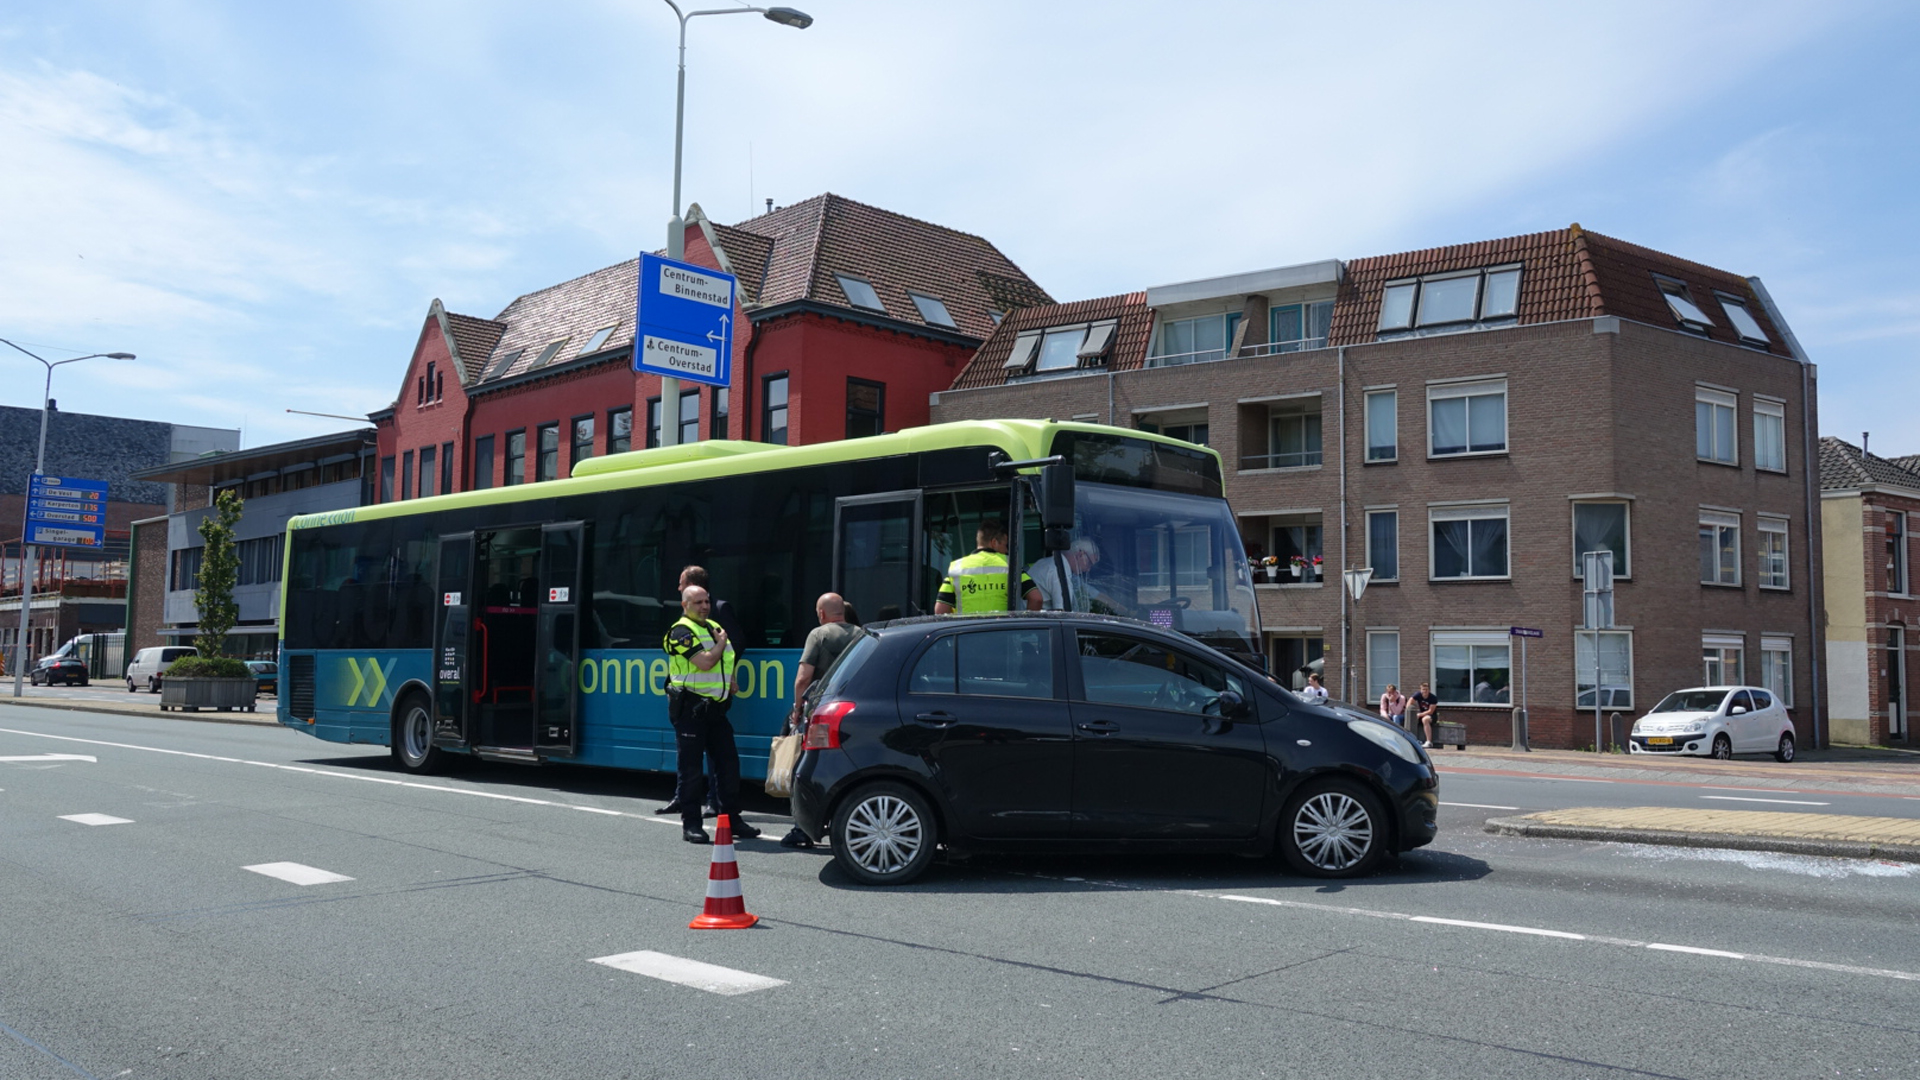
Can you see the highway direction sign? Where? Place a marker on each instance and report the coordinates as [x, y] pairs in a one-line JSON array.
[[64, 512], [684, 322]]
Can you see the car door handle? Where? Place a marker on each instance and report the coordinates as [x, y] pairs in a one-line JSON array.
[[1100, 727], [937, 718]]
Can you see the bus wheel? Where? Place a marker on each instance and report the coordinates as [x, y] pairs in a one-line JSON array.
[[412, 742]]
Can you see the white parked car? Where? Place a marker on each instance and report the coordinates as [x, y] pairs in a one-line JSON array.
[[1717, 721]]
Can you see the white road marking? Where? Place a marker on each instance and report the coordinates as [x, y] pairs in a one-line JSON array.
[[1697, 952], [51, 757], [1785, 802], [297, 873], [1502, 927], [1575, 780], [1753, 790], [96, 819], [1480, 805], [675, 969]]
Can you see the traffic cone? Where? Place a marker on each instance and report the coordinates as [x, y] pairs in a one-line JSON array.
[[726, 909]]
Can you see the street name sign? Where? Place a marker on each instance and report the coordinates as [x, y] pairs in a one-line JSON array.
[[1523, 631], [683, 323], [64, 512]]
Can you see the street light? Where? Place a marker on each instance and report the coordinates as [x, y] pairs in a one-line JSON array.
[[676, 228], [27, 552]]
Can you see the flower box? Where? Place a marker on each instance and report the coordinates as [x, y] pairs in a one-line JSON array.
[[193, 693]]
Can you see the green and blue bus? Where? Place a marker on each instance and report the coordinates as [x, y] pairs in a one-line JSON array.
[[524, 623]]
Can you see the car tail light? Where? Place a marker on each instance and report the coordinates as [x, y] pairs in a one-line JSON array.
[[823, 728]]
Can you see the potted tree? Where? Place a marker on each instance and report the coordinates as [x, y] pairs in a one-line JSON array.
[[211, 680]]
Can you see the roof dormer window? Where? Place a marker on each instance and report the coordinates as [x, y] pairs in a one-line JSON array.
[[546, 355], [501, 365], [598, 340], [931, 310], [1743, 321], [1685, 311], [1453, 300], [860, 293]]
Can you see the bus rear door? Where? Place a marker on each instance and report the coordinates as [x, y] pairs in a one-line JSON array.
[[556, 677]]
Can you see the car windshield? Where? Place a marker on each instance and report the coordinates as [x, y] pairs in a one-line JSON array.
[[1691, 701]]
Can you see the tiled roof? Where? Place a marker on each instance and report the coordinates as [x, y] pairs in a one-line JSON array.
[[473, 342], [1625, 274], [1127, 353], [1909, 462], [1845, 467], [1553, 283], [788, 255]]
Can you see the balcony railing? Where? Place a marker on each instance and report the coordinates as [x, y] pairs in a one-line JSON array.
[[1296, 460], [1267, 348]]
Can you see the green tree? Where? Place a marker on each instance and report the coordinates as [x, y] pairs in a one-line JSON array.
[[219, 571]]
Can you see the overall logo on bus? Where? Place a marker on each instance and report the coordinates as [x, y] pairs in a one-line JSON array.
[[369, 678]]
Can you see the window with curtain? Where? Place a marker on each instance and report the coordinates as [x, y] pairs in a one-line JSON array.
[[1600, 526], [1383, 544], [1769, 435], [1298, 327], [1773, 553], [1383, 663], [1719, 549], [1467, 418], [1722, 661], [1469, 542], [1713, 426], [1383, 419], [1776, 668], [1472, 667]]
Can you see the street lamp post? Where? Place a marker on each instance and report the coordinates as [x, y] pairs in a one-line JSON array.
[[676, 228], [28, 555]]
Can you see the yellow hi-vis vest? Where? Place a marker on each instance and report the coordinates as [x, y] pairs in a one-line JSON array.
[[682, 675], [979, 582]]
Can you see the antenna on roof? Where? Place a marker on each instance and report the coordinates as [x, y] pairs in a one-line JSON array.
[[1863, 442]]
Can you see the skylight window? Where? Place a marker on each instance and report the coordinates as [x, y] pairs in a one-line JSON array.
[[1023, 347], [1454, 299], [931, 310], [859, 293], [501, 365], [1684, 309], [1743, 321], [546, 355], [598, 340]]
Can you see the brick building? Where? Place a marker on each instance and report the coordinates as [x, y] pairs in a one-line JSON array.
[[1869, 507], [1465, 421], [850, 317]]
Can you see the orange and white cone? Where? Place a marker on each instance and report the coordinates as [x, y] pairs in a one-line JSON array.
[[726, 908]]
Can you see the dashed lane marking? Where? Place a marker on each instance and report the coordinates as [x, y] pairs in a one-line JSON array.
[[297, 873], [96, 819], [1788, 802], [48, 757], [679, 970]]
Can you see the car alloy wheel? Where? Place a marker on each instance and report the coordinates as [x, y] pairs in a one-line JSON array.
[[884, 834], [1333, 829], [1785, 752], [1722, 748]]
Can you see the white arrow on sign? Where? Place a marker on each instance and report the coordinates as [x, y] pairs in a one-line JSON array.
[[52, 757]]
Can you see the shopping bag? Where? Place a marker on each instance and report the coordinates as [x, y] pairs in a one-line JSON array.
[[781, 760]]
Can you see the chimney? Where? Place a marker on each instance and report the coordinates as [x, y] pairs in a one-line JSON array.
[[1863, 443], [769, 206], [52, 405]]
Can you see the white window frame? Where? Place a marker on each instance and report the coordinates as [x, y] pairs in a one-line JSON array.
[[1716, 399], [1394, 513], [1376, 686], [1725, 645], [1720, 520], [1470, 389], [1474, 512], [1626, 536], [1772, 526], [1773, 415], [1471, 640], [1416, 319], [1776, 659], [1366, 412], [1229, 320], [1583, 645]]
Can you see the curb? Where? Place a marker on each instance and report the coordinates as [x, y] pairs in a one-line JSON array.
[[1785, 845], [205, 718]]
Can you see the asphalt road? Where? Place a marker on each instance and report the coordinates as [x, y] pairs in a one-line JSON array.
[[455, 924]]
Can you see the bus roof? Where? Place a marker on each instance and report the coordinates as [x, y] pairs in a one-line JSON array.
[[1021, 439]]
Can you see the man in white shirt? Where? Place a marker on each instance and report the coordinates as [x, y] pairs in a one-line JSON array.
[[1082, 557], [1314, 692]]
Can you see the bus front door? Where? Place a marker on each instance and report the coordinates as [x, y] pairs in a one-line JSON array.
[[561, 605], [874, 541], [451, 651]]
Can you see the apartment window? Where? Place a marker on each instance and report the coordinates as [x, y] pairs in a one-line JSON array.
[[1383, 544], [406, 475], [653, 422], [547, 465], [1615, 672], [689, 416], [186, 568], [1185, 425], [386, 479], [866, 408], [1680, 303], [259, 561], [773, 410], [1773, 553], [1713, 426], [1294, 658], [1383, 422], [1897, 576], [1467, 418], [1293, 436], [1742, 319], [717, 420], [446, 469], [1193, 341], [516, 461], [1472, 667], [1722, 660], [1719, 548], [933, 311], [483, 463], [1454, 300], [1601, 526], [1776, 667], [582, 442], [1298, 537], [1298, 327], [1769, 435], [859, 293], [1383, 662], [619, 430], [1468, 542]]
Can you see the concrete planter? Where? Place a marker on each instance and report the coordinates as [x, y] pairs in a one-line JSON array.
[[191, 694]]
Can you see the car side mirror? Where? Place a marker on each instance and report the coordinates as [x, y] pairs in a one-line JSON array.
[[1737, 710], [1232, 705]]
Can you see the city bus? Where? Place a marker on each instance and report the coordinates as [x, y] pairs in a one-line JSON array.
[[524, 623]]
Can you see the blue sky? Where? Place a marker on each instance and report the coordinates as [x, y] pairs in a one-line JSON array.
[[262, 200]]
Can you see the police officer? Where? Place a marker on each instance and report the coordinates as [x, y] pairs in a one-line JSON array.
[[700, 664], [978, 582]]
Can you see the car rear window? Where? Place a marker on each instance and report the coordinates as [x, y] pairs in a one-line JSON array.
[[849, 663]]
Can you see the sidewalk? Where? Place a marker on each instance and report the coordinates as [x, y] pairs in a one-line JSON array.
[[1833, 835], [1853, 770], [139, 705]]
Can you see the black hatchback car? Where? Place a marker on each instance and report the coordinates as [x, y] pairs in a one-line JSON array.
[[70, 670], [1061, 731]]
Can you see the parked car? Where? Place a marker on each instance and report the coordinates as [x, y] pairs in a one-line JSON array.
[[268, 673], [1717, 721], [1058, 730], [150, 664], [70, 670]]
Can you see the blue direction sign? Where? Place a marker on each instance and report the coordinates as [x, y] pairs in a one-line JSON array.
[[684, 325], [64, 512]]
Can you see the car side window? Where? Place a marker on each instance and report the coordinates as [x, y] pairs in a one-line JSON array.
[[1740, 700], [1761, 699], [1119, 670], [1004, 663], [933, 672]]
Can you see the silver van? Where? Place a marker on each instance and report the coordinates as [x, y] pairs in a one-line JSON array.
[[148, 664]]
